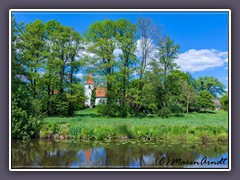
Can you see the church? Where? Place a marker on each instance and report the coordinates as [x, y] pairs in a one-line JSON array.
[[100, 92]]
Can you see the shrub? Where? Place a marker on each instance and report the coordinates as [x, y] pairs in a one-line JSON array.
[[112, 110], [24, 126], [164, 112], [49, 129]]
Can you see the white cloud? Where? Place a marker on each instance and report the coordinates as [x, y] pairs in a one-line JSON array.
[[226, 68], [117, 52], [199, 60], [150, 45], [79, 75]]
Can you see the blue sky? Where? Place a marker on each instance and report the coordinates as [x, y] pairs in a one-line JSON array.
[[202, 36]]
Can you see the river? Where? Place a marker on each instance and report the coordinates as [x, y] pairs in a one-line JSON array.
[[119, 154]]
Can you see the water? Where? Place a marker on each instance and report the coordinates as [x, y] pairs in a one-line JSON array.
[[121, 154]]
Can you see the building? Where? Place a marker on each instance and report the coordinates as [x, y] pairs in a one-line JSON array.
[[100, 92], [217, 104]]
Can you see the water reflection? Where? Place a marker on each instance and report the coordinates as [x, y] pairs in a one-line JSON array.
[[125, 154]]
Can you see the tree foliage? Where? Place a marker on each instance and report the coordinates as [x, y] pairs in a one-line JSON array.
[[224, 101], [45, 58], [205, 100], [210, 84]]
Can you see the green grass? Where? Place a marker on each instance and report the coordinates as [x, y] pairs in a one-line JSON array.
[[90, 117], [88, 124]]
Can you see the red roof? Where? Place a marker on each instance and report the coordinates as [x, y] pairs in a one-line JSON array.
[[90, 79], [100, 92]]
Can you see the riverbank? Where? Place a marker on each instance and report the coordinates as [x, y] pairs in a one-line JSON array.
[[89, 125]]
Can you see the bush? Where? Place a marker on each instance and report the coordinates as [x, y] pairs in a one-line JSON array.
[[178, 108], [49, 129], [164, 112], [24, 126], [112, 110]]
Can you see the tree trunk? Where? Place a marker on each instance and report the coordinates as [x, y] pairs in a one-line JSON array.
[[108, 86], [62, 75], [34, 88], [71, 73], [48, 102], [165, 87]]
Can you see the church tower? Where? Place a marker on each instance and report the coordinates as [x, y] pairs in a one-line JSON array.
[[88, 89]]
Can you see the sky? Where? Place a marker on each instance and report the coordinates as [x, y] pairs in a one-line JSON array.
[[202, 36]]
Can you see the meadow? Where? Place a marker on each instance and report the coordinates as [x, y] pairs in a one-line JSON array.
[[88, 124]]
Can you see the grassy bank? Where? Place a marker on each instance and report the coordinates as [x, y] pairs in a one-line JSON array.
[[89, 125]]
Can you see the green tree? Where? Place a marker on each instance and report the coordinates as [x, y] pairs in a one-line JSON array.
[[32, 46], [192, 81], [167, 52], [25, 121], [101, 40], [188, 93], [126, 42], [147, 33], [224, 101], [63, 48], [211, 84], [174, 80], [204, 100], [152, 91], [93, 97]]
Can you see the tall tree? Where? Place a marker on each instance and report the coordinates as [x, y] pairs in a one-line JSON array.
[[188, 93], [102, 43], [148, 33], [25, 120], [75, 48], [167, 52], [62, 61], [126, 42], [32, 46]]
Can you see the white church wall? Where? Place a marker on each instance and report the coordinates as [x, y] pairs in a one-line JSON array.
[[99, 100], [88, 94]]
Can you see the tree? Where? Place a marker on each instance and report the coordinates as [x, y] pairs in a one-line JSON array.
[[174, 80], [167, 52], [192, 81], [25, 120], [62, 60], [148, 32], [101, 40], [152, 91], [32, 46], [93, 97], [188, 93], [224, 101], [211, 84], [205, 100], [126, 42]]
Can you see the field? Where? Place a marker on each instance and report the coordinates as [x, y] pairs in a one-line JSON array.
[[88, 124], [90, 117]]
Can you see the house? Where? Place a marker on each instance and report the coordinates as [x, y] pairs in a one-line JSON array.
[[100, 92], [217, 104]]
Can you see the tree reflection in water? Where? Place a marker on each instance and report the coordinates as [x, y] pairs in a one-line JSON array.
[[125, 154]]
